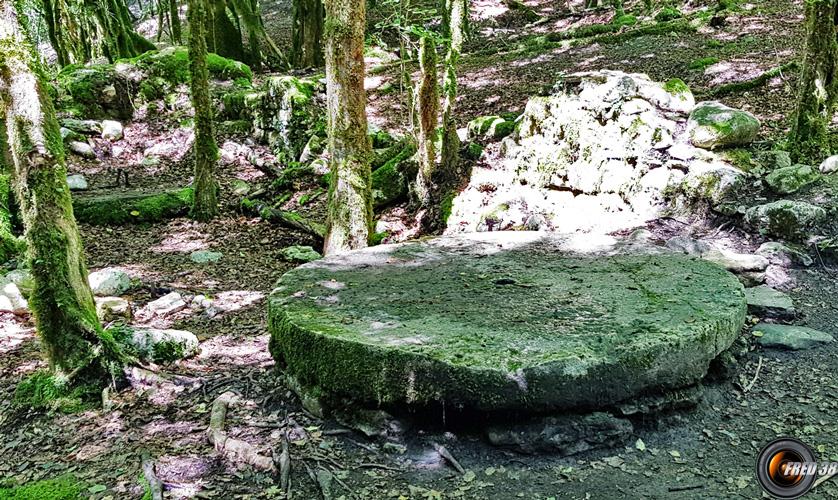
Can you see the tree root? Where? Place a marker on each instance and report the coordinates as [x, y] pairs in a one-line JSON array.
[[234, 450], [753, 83], [283, 461], [445, 454], [293, 221], [155, 485]]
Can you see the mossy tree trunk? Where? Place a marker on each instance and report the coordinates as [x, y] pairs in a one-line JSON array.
[[61, 301], [427, 104], [350, 197], [205, 203], [817, 88], [162, 20], [223, 36], [455, 15], [81, 31], [307, 44], [442, 180], [263, 50], [174, 15]]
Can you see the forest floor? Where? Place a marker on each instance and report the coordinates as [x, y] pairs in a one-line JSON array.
[[707, 452]]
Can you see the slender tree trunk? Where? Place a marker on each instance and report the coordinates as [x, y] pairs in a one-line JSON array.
[[440, 181], [205, 204], [162, 18], [404, 57], [61, 301], [174, 15], [818, 86], [427, 103], [307, 45], [9, 244], [226, 36], [350, 198]]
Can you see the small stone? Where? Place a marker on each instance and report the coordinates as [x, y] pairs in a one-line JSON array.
[[681, 151], [82, 149], [489, 128], [164, 345], [829, 165], [241, 188], [70, 135], [11, 299], [77, 182], [89, 127], [313, 148], [736, 262], [788, 180], [395, 448], [166, 305], [112, 130], [301, 254], [751, 278], [764, 301], [22, 278], [205, 256], [687, 245], [113, 309], [713, 125], [790, 337], [783, 255], [109, 282]]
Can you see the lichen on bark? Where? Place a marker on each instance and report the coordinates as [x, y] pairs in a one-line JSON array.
[[818, 84]]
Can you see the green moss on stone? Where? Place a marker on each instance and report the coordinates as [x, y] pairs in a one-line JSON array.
[[60, 488], [442, 330], [676, 86], [132, 207]]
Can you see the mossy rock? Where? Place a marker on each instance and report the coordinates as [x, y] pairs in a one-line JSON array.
[[42, 391], [786, 219], [289, 114], [159, 72], [501, 321], [713, 125], [95, 91], [172, 64], [490, 128], [132, 206], [788, 180], [390, 182]]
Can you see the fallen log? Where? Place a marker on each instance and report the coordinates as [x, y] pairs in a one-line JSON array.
[[234, 450]]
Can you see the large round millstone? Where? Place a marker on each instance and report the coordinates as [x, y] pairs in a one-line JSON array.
[[510, 322]]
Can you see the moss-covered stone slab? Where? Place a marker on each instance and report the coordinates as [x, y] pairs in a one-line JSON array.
[[501, 321]]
